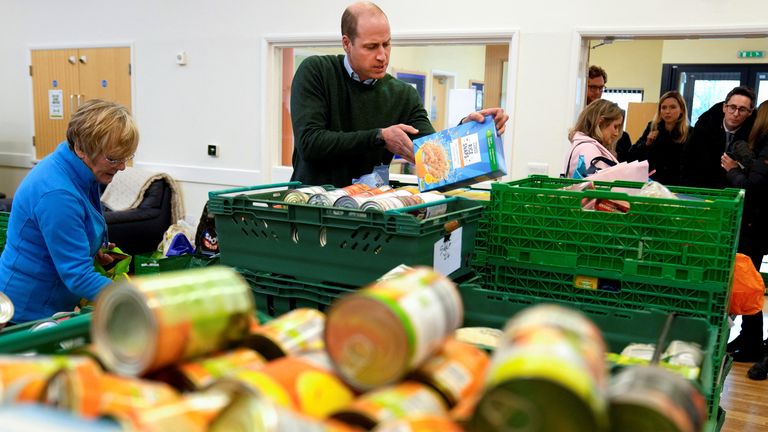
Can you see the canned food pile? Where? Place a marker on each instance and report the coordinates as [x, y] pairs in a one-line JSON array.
[[184, 351]]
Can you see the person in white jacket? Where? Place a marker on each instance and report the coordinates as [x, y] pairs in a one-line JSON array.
[[594, 137]]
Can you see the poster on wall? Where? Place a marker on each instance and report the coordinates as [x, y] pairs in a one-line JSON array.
[[416, 79], [55, 105]]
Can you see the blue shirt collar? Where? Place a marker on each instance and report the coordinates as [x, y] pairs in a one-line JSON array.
[[354, 75]]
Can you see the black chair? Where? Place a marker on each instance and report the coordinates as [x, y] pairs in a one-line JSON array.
[[141, 229]]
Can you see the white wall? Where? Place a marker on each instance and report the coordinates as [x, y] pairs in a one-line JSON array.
[[218, 96]]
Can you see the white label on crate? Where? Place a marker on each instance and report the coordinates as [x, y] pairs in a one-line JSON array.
[[447, 254]]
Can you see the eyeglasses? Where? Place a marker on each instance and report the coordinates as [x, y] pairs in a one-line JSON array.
[[733, 108], [116, 162], [596, 87]]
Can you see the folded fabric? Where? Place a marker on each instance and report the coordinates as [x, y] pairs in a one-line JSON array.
[[127, 188]]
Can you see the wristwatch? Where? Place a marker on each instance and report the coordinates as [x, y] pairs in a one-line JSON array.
[[380, 139]]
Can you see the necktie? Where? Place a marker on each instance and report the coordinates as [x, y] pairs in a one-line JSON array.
[[728, 141]]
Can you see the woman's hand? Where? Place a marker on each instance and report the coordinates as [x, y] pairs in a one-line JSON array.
[[651, 137], [103, 257]]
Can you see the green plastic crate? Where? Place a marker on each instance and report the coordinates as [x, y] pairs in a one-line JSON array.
[[151, 263], [535, 221], [277, 294], [259, 232], [71, 331], [4, 216], [492, 308]]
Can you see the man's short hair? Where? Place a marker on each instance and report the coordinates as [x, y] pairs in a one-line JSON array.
[[350, 16], [597, 71], [742, 91]]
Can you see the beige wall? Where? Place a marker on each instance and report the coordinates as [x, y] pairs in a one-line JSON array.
[[637, 64], [632, 64]]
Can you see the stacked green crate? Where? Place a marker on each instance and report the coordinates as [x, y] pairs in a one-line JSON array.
[[259, 232], [672, 255]]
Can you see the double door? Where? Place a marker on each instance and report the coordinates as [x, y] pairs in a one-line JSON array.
[[63, 79]]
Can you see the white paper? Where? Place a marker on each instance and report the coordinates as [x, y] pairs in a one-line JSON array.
[[55, 105], [461, 102], [447, 254]]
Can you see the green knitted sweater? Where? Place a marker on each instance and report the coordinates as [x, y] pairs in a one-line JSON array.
[[336, 119]]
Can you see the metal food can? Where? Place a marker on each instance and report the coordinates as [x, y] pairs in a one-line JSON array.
[[433, 210], [252, 411], [300, 385], [24, 379], [90, 393], [192, 412], [650, 398], [329, 197], [354, 201], [547, 374], [6, 310], [406, 399], [291, 333], [154, 321], [421, 423], [301, 195], [200, 373], [456, 371], [378, 334]]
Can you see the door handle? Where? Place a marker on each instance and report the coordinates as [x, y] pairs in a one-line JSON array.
[[78, 101], [71, 106], [83, 59]]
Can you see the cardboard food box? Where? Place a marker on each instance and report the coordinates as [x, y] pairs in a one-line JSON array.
[[463, 155]]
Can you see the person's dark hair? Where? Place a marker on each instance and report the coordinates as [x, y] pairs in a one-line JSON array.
[[596, 71], [760, 128], [350, 16], [742, 91]]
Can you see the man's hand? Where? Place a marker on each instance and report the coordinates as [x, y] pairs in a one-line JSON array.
[[398, 142], [499, 117], [728, 163]]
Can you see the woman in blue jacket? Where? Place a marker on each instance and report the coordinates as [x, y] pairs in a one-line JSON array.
[[56, 227]]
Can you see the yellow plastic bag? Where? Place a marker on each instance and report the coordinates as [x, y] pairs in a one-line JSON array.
[[748, 289]]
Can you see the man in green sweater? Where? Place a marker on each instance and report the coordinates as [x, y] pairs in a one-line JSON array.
[[349, 114]]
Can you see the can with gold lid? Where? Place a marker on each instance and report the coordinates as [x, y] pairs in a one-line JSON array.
[[406, 399], [293, 332], [301, 195], [378, 334], [157, 320], [6, 310]]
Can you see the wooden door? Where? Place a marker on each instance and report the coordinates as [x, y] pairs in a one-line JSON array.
[[54, 75], [65, 78], [105, 74], [437, 114]]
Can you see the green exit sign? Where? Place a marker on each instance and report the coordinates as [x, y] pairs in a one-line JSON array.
[[751, 54]]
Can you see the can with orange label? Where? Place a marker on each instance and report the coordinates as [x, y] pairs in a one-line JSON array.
[[90, 393], [329, 197], [252, 411], [406, 399], [456, 371], [293, 332], [421, 423], [199, 374], [299, 384], [378, 334], [153, 321], [24, 379], [547, 374], [650, 398]]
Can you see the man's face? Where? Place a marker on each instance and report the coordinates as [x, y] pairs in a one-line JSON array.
[[595, 87], [736, 110], [369, 52]]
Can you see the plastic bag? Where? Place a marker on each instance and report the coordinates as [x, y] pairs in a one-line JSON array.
[[748, 289], [182, 227], [118, 269]]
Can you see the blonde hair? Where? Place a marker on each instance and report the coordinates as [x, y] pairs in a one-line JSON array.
[[594, 117], [681, 125], [760, 128], [100, 126]]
